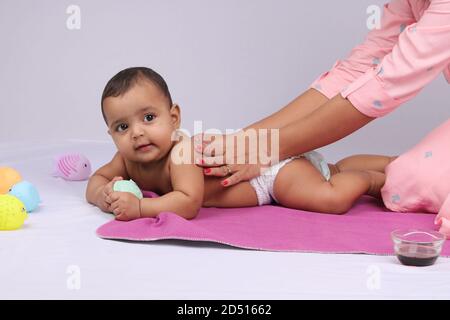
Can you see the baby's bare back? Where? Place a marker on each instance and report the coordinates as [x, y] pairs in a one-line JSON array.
[[238, 195]]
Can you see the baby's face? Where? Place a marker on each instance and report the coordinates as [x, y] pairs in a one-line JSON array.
[[141, 122]]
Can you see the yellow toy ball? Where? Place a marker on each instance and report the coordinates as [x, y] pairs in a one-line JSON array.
[[8, 178], [12, 212]]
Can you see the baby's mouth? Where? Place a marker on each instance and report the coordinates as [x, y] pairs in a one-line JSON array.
[[144, 147]]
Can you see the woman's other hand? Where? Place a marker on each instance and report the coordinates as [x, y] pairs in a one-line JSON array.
[[234, 156]]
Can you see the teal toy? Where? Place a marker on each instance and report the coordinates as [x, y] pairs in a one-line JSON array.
[[128, 186], [27, 193]]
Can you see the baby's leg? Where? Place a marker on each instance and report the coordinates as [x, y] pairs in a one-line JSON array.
[[300, 185], [362, 162], [239, 195]]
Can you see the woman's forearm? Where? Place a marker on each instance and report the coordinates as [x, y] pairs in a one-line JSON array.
[[329, 123], [299, 108]]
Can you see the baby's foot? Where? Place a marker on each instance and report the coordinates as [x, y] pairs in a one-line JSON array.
[[377, 180]]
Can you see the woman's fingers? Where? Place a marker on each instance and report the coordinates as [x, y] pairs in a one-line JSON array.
[[221, 171], [198, 138], [211, 161], [233, 179], [235, 173], [211, 145], [199, 142], [242, 172]]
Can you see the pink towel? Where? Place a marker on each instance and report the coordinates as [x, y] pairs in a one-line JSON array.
[[365, 228]]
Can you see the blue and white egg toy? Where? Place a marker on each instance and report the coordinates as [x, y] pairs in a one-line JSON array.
[[27, 193]]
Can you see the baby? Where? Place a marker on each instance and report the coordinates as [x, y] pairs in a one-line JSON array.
[[142, 119]]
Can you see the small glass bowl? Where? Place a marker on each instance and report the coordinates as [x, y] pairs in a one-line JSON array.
[[417, 247]]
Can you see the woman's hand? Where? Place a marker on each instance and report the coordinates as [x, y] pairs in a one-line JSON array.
[[223, 156], [237, 173]]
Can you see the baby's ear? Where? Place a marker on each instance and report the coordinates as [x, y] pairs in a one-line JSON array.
[[175, 114]]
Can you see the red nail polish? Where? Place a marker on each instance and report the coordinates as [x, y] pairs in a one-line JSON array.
[[207, 170], [225, 183]]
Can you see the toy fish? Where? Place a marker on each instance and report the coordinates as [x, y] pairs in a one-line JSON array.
[[27, 193], [12, 212], [72, 166]]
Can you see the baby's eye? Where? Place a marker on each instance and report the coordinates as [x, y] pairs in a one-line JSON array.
[[121, 127], [149, 117]]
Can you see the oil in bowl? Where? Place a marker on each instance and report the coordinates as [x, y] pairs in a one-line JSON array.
[[417, 247]]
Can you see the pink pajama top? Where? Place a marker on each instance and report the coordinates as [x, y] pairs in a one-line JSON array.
[[393, 64], [396, 61], [419, 179]]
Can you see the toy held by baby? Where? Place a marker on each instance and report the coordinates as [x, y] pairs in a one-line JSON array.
[[128, 186], [72, 166]]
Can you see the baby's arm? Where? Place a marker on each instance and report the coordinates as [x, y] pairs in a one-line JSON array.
[[102, 179], [185, 199]]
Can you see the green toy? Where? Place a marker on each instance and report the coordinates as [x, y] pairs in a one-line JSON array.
[[128, 186]]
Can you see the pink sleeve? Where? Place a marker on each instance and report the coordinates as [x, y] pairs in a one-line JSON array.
[[443, 218], [422, 52], [379, 42]]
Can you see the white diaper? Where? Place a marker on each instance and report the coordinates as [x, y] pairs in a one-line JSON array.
[[263, 184]]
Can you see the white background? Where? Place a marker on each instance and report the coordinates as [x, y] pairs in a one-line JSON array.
[[228, 63]]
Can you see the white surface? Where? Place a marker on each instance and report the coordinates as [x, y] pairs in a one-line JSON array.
[[37, 261]]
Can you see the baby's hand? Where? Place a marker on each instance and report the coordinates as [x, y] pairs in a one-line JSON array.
[[105, 199], [125, 206]]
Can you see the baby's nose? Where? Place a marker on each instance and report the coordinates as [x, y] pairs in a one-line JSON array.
[[137, 131]]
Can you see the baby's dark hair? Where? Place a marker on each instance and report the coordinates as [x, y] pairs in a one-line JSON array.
[[125, 79]]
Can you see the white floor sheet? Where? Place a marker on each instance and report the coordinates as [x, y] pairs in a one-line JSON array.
[[57, 255]]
